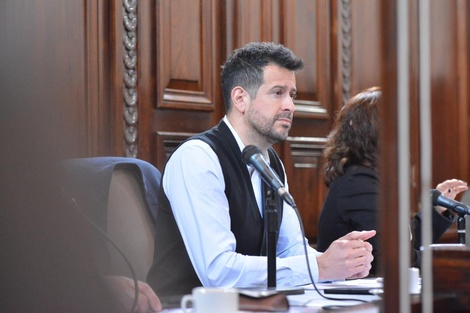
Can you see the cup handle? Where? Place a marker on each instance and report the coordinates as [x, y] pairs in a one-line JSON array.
[[184, 302]]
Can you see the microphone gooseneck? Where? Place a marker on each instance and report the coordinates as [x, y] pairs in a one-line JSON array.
[[252, 155]]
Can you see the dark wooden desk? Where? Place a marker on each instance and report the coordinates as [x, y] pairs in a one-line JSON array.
[[451, 279], [315, 301], [363, 308], [451, 274], [451, 286]]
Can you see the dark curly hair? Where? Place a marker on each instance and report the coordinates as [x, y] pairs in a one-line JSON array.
[[354, 137], [245, 67]]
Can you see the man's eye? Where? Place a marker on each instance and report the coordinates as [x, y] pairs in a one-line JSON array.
[[293, 95], [278, 92]]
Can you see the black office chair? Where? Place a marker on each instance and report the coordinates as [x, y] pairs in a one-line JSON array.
[[119, 195]]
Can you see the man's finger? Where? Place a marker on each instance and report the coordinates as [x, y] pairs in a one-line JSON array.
[[361, 235]]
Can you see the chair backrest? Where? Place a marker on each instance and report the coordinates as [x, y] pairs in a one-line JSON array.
[[129, 225], [120, 196]]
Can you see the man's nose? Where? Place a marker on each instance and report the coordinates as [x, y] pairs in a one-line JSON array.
[[288, 105]]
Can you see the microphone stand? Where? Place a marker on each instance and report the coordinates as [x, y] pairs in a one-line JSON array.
[[271, 220], [461, 227], [271, 223]]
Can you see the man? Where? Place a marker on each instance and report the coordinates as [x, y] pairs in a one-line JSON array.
[[210, 216]]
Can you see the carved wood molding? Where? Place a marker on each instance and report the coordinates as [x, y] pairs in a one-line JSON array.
[[166, 143], [306, 151], [131, 116], [346, 49]]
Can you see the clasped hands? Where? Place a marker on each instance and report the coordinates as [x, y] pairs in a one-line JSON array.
[[348, 257]]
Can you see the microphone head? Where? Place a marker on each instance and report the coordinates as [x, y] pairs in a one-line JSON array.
[[434, 195], [248, 152]]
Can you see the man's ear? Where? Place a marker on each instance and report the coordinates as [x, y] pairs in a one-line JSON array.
[[239, 99]]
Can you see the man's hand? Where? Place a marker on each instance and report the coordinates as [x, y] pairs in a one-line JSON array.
[[124, 292], [347, 257], [450, 188]]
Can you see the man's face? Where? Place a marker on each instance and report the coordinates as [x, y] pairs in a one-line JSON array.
[[270, 113]]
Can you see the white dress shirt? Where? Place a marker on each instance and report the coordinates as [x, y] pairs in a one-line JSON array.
[[194, 184]]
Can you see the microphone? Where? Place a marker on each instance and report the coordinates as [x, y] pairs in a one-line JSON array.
[[456, 206], [253, 156]]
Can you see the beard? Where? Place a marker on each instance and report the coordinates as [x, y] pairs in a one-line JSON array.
[[265, 126]]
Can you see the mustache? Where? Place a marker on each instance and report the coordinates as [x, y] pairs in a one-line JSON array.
[[286, 115]]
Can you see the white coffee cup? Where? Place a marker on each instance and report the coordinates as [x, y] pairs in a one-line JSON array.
[[414, 285], [211, 300]]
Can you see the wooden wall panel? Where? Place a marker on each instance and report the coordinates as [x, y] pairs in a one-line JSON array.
[[366, 66], [306, 29], [146, 38], [389, 157], [463, 82], [302, 159], [168, 141], [415, 133], [185, 55], [245, 22], [449, 82], [45, 66], [187, 65], [449, 94], [138, 89]]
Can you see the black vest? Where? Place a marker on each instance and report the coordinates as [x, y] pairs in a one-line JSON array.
[[172, 272]]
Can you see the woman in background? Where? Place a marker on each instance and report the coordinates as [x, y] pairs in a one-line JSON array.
[[350, 168]]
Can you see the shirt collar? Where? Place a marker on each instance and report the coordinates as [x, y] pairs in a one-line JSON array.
[[240, 143], [234, 133]]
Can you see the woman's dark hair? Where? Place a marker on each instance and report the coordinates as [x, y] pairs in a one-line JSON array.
[[245, 67], [355, 135]]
